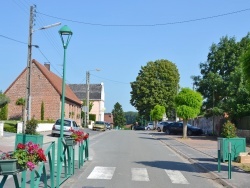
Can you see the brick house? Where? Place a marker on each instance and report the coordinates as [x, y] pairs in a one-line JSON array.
[[46, 87], [96, 95], [108, 117]]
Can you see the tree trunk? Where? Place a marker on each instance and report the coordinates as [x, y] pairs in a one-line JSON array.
[[184, 129]]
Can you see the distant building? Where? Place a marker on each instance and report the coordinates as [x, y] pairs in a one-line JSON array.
[[46, 87], [108, 117], [96, 95]]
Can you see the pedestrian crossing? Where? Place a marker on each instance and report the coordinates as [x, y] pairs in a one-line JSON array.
[[137, 174]]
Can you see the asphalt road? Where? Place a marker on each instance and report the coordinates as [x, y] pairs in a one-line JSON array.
[[135, 159]]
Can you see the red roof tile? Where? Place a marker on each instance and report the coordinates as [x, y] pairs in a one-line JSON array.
[[56, 82]]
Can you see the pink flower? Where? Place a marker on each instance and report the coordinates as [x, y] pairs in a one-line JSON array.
[[30, 165]]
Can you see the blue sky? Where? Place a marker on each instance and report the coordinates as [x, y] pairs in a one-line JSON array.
[[117, 37]]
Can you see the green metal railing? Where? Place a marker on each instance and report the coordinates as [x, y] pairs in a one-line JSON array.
[[45, 174]]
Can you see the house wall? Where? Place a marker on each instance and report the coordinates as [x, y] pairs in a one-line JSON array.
[[96, 110], [15, 92], [41, 91]]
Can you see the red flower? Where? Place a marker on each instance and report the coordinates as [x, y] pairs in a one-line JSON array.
[[20, 146]]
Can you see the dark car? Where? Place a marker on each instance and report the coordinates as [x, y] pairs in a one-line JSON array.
[[165, 125], [139, 127], [177, 128]]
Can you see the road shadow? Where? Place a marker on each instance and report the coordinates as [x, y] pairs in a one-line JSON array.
[[192, 167]]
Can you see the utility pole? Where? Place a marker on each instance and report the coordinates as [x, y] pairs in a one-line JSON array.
[[87, 110], [27, 111]]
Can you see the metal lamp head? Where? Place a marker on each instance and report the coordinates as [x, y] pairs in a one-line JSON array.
[[65, 34]]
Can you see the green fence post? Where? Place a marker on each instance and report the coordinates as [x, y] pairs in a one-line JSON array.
[[229, 161], [219, 159]]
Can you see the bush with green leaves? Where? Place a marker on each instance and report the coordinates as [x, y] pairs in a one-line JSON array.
[[228, 130], [31, 126]]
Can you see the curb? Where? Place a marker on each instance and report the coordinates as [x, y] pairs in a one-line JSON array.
[[195, 162]]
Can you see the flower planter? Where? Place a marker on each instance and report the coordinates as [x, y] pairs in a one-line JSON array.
[[70, 142], [237, 145], [24, 138], [8, 166]]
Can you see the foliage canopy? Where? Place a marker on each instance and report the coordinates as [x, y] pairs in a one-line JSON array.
[[221, 82], [188, 103], [156, 84], [118, 115]]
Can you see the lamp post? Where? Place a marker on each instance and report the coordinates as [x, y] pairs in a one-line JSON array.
[[65, 34], [87, 84]]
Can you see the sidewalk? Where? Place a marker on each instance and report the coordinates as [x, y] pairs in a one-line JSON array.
[[202, 151]]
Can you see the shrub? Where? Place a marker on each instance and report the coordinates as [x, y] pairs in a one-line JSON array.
[[228, 130], [31, 126], [42, 111], [4, 112], [10, 129]]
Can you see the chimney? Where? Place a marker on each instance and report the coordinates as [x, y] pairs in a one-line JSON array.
[[47, 65]]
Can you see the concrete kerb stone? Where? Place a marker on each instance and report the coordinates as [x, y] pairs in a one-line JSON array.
[[195, 162]]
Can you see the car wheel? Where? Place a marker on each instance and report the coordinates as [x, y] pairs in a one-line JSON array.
[[167, 132], [158, 129], [148, 128], [189, 133]]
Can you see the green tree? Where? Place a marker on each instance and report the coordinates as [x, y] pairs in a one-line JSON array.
[[4, 112], [42, 111], [188, 103], [3, 100], [118, 115], [221, 82], [157, 113], [156, 83], [130, 117]]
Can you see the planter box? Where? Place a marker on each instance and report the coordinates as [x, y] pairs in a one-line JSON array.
[[24, 138], [8, 167], [70, 142], [237, 145]]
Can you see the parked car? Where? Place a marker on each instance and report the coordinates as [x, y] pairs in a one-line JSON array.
[[159, 126], [108, 126], [177, 128], [99, 125], [150, 126], [68, 126], [139, 127], [165, 125]]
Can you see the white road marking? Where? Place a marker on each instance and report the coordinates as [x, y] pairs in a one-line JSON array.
[[139, 174], [176, 177], [101, 172]]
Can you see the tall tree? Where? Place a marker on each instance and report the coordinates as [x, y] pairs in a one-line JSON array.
[[118, 115], [130, 117], [155, 84], [221, 82], [188, 103]]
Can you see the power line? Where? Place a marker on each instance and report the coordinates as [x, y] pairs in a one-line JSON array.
[[148, 25], [110, 80], [13, 39]]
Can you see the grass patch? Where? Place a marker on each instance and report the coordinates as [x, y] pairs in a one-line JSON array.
[[243, 166]]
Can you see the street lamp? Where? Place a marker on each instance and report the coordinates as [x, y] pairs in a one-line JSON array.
[[65, 34], [87, 84]]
